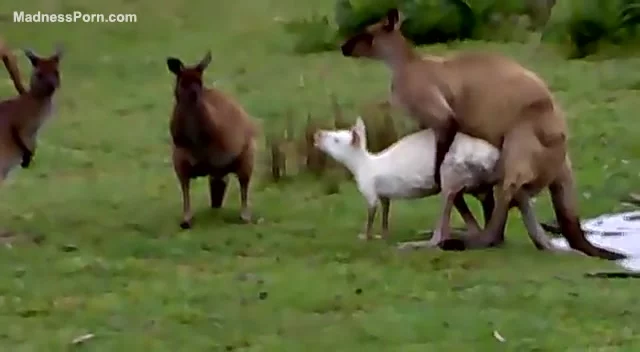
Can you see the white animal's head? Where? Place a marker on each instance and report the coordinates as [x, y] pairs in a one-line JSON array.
[[343, 145]]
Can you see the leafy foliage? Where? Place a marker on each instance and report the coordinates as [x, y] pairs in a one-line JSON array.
[[582, 26], [426, 21], [591, 24]]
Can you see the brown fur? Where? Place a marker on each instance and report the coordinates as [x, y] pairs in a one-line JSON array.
[[21, 117], [494, 98], [212, 136], [9, 61]]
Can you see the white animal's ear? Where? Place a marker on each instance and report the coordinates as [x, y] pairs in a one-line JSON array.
[[355, 138], [359, 126]]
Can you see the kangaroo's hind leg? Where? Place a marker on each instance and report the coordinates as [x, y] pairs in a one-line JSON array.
[[181, 167], [518, 168], [534, 230], [450, 196], [217, 190], [244, 173]]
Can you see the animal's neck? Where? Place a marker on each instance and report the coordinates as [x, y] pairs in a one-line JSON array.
[[35, 110], [358, 162], [398, 54], [41, 95], [40, 98], [192, 109], [38, 105]]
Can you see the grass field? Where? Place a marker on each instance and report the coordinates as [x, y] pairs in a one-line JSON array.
[[102, 195]]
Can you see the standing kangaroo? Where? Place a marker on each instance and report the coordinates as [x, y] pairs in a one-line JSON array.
[[21, 117], [490, 97], [9, 61], [212, 136]]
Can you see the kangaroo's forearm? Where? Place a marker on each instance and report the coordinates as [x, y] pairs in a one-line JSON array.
[[27, 152]]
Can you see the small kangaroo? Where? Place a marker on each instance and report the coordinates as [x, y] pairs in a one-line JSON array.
[[212, 136], [405, 171], [490, 97], [9, 61], [21, 117]]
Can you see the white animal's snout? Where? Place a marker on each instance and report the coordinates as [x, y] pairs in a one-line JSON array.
[[317, 139]]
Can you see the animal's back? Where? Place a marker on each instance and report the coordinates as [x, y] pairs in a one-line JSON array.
[[406, 168], [470, 162], [493, 93]]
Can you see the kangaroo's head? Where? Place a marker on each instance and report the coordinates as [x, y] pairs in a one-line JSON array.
[[377, 41], [188, 87], [45, 77]]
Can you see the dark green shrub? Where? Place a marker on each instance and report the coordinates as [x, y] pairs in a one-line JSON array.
[[630, 20], [589, 25], [352, 16], [425, 22], [438, 21], [431, 21]]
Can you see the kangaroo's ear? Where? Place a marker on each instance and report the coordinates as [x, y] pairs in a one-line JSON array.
[[206, 60], [392, 20], [32, 57], [175, 65], [59, 52]]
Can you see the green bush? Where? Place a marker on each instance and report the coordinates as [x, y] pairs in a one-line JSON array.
[[583, 27], [426, 21], [587, 26], [431, 21], [353, 15]]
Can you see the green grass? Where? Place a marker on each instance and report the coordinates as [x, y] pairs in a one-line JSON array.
[[102, 182]]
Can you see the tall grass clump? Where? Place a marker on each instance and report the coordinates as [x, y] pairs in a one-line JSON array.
[[291, 153]]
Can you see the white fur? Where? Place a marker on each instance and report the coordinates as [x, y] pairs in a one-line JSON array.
[[405, 169]]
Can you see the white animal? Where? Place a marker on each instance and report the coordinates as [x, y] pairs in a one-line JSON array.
[[405, 170]]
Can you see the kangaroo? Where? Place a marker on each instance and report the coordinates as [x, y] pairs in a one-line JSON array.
[[212, 136], [490, 97], [22, 117], [403, 172], [10, 64]]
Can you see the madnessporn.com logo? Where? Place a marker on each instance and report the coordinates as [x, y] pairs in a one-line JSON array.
[[76, 16]]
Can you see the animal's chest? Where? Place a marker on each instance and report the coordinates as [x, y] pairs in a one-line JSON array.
[[219, 158], [43, 116], [400, 98], [215, 163], [187, 133]]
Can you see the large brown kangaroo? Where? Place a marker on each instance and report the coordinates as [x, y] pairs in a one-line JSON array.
[[491, 97], [9, 61], [212, 136]]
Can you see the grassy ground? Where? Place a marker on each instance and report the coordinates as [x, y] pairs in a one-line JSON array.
[[102, 194]]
